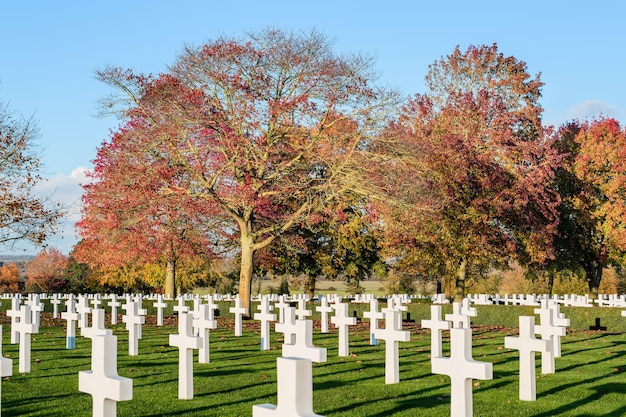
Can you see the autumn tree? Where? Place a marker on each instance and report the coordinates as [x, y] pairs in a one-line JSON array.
[[128, 219], [268, 129], [472, 162], [340, 246], [9, 279], [592, 185], [45, 272], [23, 215]]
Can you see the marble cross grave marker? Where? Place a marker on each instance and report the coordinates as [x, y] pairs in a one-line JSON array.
[[552, 333], [186, 343], [458, 318], [527, 345], [342, 320], [324, 309], [373, 315], [266, 318], [462, 369], [295, 375], [14, 313], [72, 317], [114, 304], [6, 365], [436, 326], [133, 321], [55, 301], [288, 325], [203, 324], [280, 306], [25, 327], [160, 304], [102, 382], [392, 334], [97, 325], [301, 312], [238, 310], [83, 309]]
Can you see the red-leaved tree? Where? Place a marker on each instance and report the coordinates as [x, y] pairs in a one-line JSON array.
[[265, 130], [46, 271], [472, 168]]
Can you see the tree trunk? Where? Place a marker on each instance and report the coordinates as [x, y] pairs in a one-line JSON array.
[[550, 281], [245, 274], [170, 279], [459, 292], [593, 272], [309, 286]]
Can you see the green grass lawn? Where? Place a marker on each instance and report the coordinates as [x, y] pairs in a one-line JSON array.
[[590, 378]]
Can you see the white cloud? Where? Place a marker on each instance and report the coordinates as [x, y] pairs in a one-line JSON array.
[[66, 192], [590, 109]]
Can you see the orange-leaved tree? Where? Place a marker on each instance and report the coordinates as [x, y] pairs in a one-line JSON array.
[[472, 155], [9, 278], [46, 271], [592, 184], [265, 130]]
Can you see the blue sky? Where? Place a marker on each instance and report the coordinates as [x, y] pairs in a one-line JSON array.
[[50, 50]]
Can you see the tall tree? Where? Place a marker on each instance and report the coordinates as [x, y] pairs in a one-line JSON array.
[[474, 158], [268, 129], [46, 271], [127, 217], [592, 184], [23, 215]]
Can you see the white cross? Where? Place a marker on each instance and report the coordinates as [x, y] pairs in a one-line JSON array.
[[72, 317], [280, 306], [83, 309], [6, 365], [295, 390], [160, 305], [324, 309], [265, 317], [392, 334], [97, 325], [302, 345], [467, 309], [181, 307], [461, 368], [558, 319], [203, 325], [238, 311], [342, 320], [458, 319], [102, 382], [288, 325], [186, 343], [623, 313], [133, 324], [551, 333], [527, 345], [373, 316], [301, 311], [14, 313], [36, 307], [114, 304], [25, 327], [436, 326], [55, 301], [96, 301]]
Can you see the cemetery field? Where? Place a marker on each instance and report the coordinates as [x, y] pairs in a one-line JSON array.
[[590, 378]]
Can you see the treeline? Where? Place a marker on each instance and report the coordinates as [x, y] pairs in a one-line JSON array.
[[276, 152]]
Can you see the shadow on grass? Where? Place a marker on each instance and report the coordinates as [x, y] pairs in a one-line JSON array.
[[600, 391]]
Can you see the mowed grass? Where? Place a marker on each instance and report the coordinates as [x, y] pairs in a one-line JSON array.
[[590, 378]]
